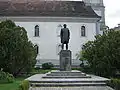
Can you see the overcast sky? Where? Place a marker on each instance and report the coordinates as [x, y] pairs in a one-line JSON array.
[[112, 12]]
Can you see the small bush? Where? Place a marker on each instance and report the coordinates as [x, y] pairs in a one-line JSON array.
[[2, 75], [24, 85], [6, 77], [114, 83], [86, 69], [10, 78], [48, 65], [82, 65], [37, 68]]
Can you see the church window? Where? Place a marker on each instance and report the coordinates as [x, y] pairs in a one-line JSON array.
[[36, 31], [83, 31], [36, 48]]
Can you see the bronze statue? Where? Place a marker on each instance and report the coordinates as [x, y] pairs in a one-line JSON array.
[[65, 36]]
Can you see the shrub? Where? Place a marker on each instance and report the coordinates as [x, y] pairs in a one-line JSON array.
[[10, 78], [48, 65], [37, 68], [24, 85], [6, 77], [17, 53], [86, 69], [103, 53], [82, 65], [2, 75], [114, 83]]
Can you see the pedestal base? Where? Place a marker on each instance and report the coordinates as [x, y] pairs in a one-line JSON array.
[[65, 60]]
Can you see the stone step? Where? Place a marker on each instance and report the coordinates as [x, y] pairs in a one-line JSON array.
[[73, 71], [67, 81], [73, 88], [66, 73], [66, 77], [66, 84]]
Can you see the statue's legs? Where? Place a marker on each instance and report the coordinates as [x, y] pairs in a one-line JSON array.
[[66, 46], [62, 46]]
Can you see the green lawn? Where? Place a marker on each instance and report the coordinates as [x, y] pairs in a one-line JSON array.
[[16, 83], [11, 86]]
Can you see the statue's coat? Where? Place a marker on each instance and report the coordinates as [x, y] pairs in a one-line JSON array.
[[65, 35]]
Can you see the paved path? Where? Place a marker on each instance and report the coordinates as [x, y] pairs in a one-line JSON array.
[[72, 88]]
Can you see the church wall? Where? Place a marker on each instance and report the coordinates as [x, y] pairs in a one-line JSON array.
[[99, 8], [49, 39]]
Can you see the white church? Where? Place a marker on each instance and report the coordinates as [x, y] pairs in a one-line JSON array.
[[43, 21]]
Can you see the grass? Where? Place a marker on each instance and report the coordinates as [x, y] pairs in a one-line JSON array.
[[18, 80], [12, 86]]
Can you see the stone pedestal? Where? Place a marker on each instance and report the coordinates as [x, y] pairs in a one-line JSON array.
[[65, 60]]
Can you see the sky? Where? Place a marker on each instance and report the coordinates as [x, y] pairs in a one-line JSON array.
[[112, 12]]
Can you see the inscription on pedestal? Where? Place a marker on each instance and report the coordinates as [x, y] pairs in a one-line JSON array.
[[65, 60]]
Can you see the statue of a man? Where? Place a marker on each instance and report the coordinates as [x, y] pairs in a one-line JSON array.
[[65, 36]]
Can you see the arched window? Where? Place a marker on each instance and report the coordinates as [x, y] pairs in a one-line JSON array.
[[36, 31], [36, 48], [83, 31]]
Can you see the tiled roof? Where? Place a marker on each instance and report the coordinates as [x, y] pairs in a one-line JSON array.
[[45, 8]]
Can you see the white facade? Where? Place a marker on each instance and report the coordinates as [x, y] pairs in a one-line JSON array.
[[49, 31], [48, 41]]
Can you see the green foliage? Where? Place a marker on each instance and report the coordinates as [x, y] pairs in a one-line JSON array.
[[37, 68], [79, 56], [10, 78], [103, 53], [24, 85], [6, 77], [114, 83], [48, 65], [17, 53], [87, 69], [12, 86], [40, 71]]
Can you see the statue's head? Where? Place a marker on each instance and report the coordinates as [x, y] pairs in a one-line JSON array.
[[64, 25]]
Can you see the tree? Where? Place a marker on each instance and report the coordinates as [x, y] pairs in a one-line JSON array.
[[17, 53], [103, 54], [80, 57]]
